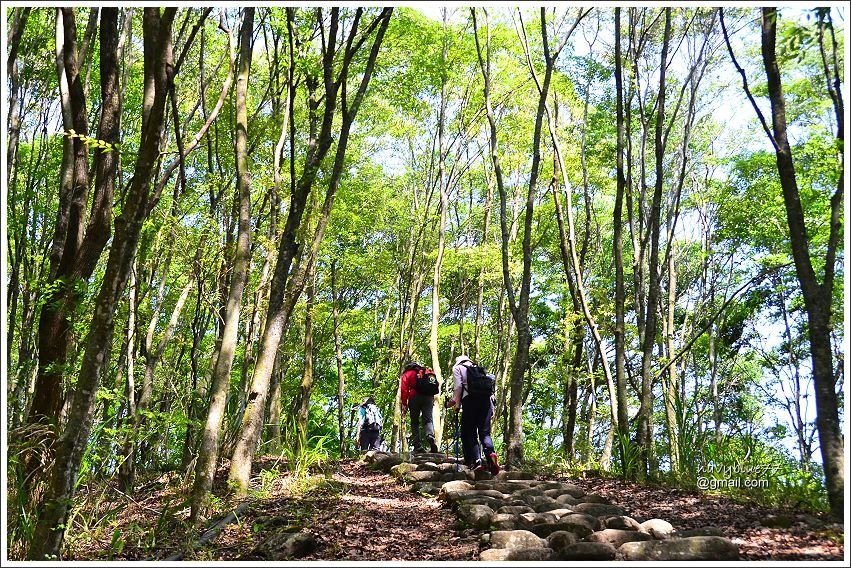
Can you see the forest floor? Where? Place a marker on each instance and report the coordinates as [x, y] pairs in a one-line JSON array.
[[809, 537], [354, 513]]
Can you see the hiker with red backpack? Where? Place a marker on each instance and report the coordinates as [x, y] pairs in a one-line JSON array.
[[474, 392], [418, 389]]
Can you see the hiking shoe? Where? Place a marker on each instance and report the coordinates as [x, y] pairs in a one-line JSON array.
[[494, 463], [433, 446], [479, 466]]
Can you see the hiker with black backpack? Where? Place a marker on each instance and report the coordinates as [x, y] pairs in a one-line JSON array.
[[418, 389], [474, 392], [369, 425]]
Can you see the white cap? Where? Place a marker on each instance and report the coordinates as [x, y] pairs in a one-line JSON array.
[[461, 358]]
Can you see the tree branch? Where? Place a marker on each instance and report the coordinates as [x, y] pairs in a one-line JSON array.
[[745, 82]]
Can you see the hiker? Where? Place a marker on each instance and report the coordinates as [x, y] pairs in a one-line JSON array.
[[474, 394], [418, 389], [369, 425]]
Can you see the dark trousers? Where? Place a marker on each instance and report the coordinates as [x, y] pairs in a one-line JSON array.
[[421, 404], [369, 439], [476, 416]]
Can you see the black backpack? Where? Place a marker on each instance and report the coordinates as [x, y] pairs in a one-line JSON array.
[[426, 383], [479, 382]]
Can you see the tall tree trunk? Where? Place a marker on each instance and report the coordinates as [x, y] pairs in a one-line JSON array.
[[481, 280], [818, 297], [567, 238], [153, 355], [645, 412], [441, 240], [302, 406], [338, 357], [670, 388], [519, 306], [617, 245], [53, 327], [50, 528], [286, 289], [209, 451]]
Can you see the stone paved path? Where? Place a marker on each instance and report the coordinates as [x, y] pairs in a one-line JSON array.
[[522, 518]]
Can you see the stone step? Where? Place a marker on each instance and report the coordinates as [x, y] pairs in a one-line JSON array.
[[534, 520]]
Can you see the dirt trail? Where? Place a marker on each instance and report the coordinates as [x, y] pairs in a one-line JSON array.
[[372, 517], [380, 519]]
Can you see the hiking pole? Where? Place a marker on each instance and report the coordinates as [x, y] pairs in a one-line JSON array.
[[457, 464]]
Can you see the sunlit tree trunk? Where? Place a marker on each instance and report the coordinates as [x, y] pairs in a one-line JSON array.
[[286, 288], [50, 528], [208, 454], [437, 409], [670, 386], [338, 357], [617, 246], [307, 377]]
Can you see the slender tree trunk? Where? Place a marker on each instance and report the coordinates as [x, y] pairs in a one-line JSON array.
[[303, 400], [645, 427], [671, 389], [285, 289], [617, 245], [153, 355], [209, 451], [818, 297], [481, 280], [338, 356], [441, 242]]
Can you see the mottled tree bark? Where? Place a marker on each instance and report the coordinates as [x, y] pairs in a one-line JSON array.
[[50, 528], [208, 453]]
